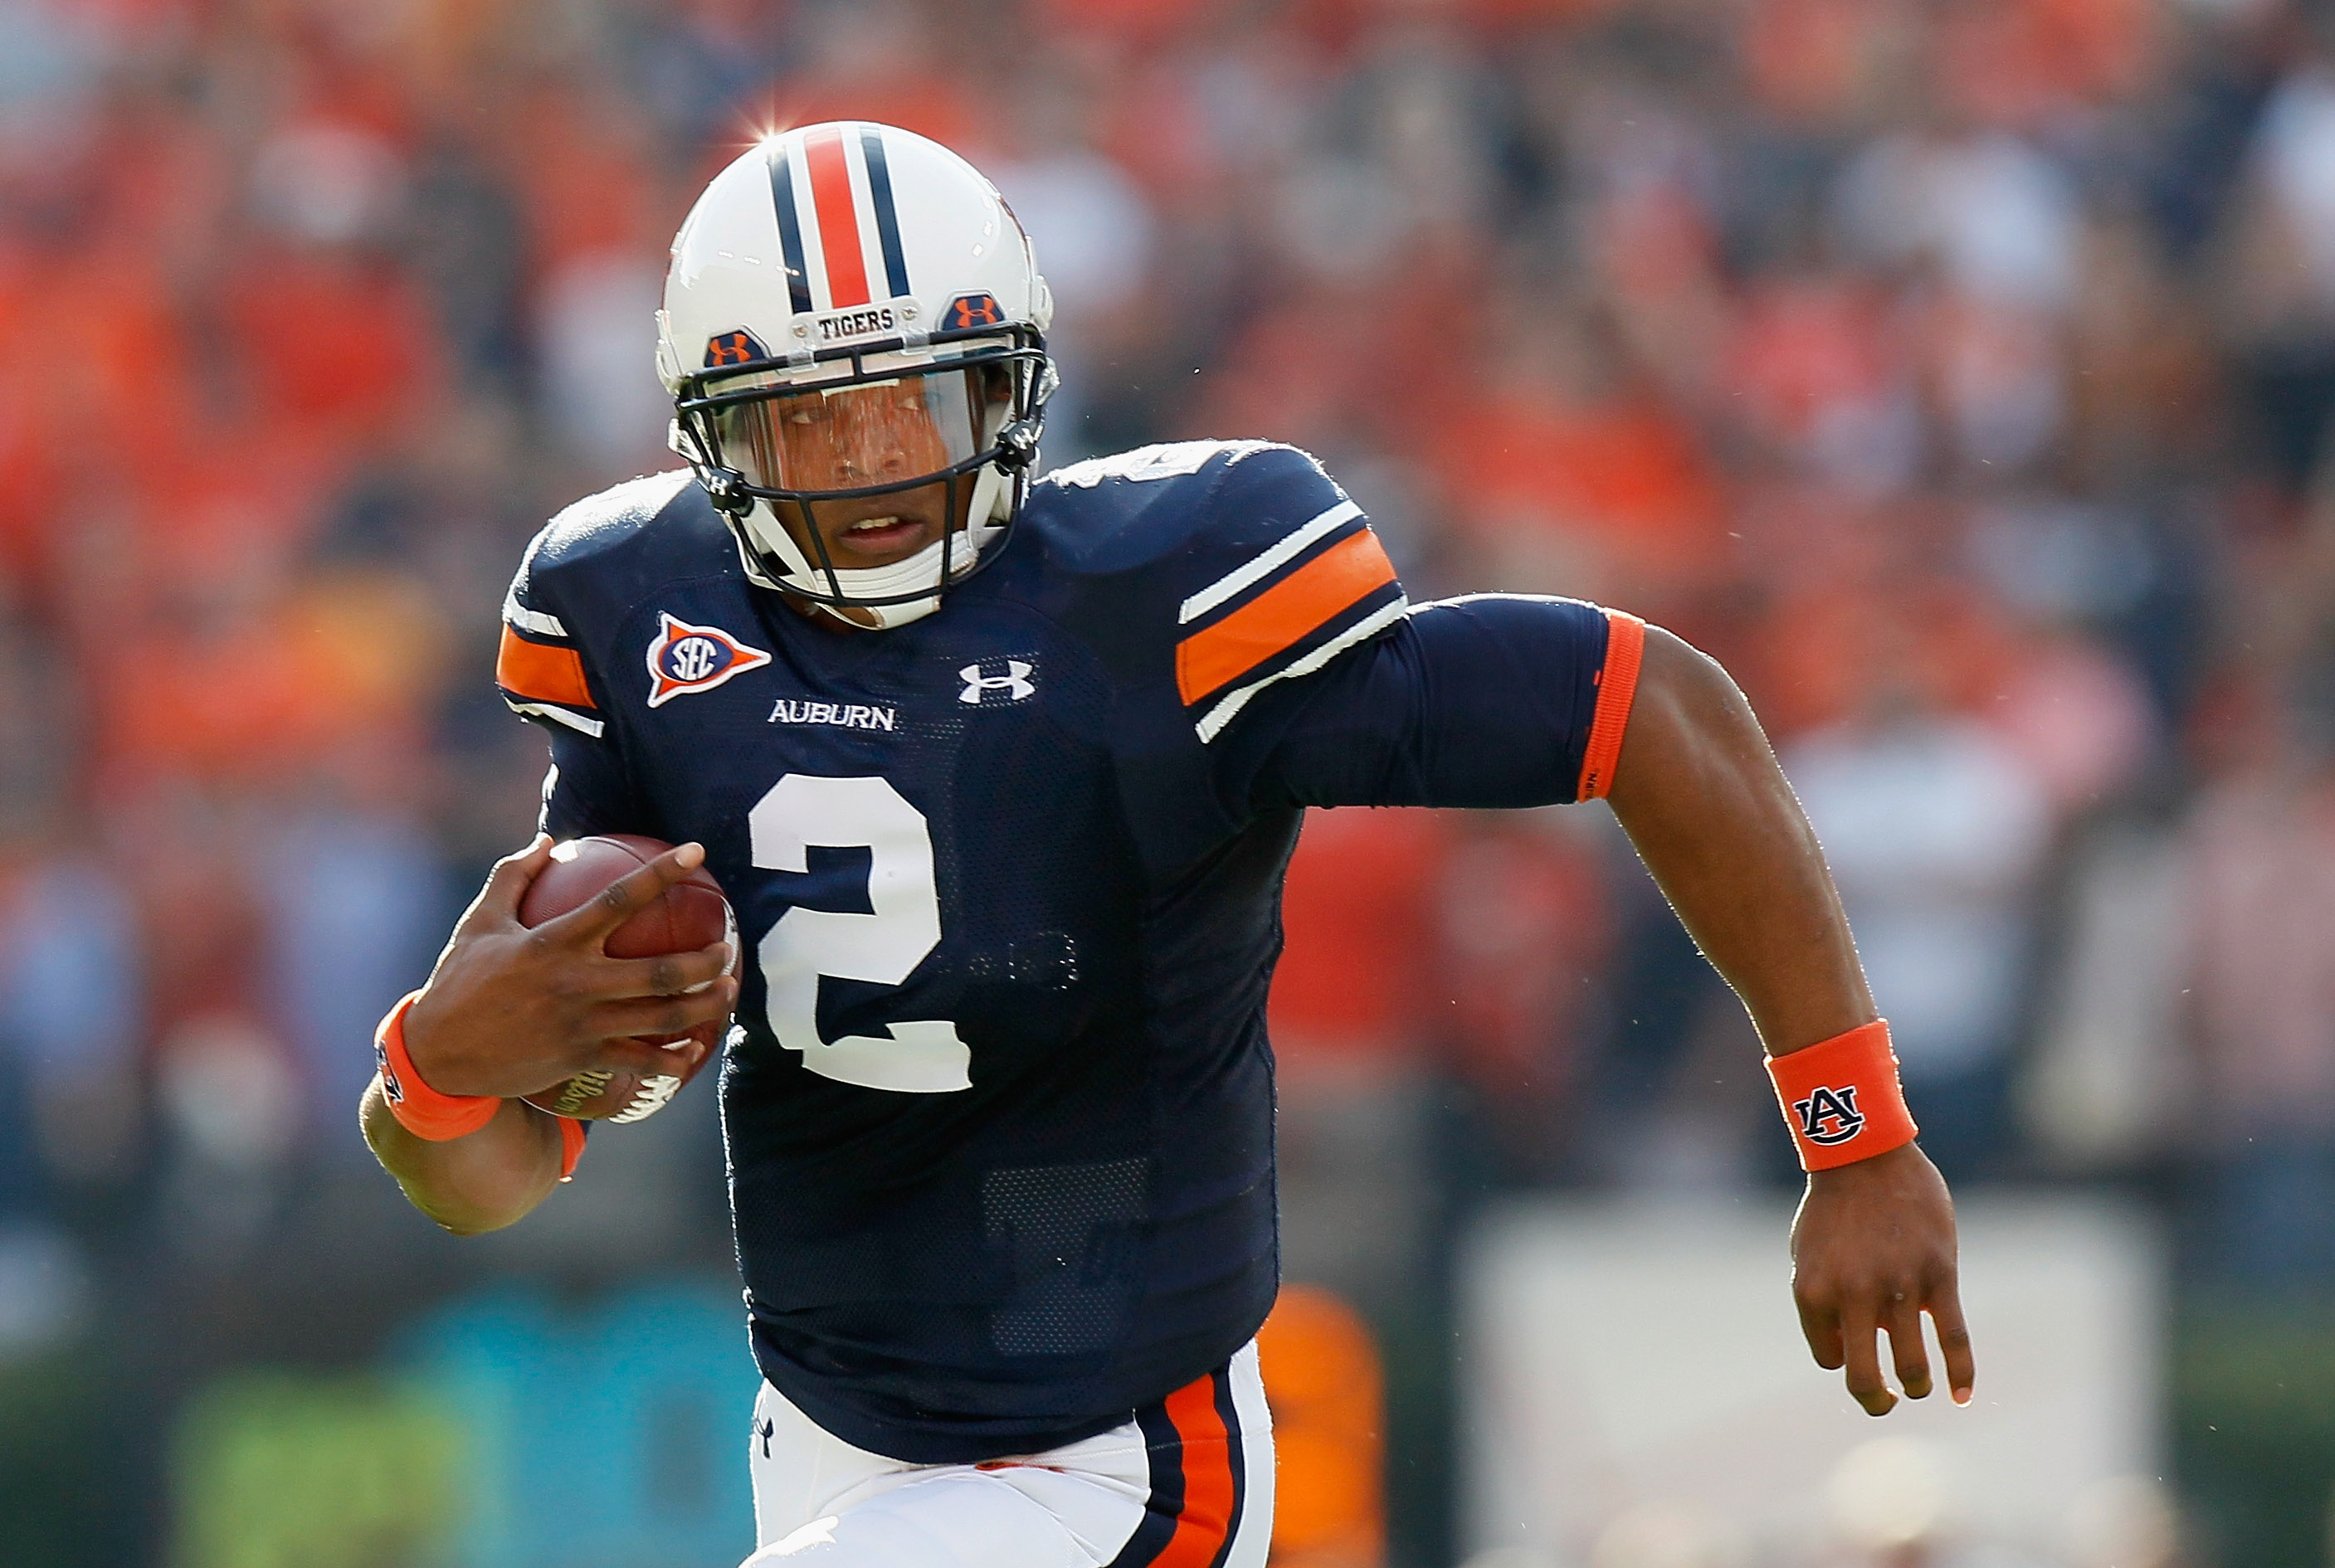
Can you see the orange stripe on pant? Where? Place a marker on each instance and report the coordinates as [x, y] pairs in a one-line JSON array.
[[1280, 616], [839, 219], [1206, 1521], [541, 672]]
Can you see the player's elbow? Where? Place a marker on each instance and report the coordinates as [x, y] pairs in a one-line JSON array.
[[468, 1186], [476, 1221], [467, 1210], [479, 1201]]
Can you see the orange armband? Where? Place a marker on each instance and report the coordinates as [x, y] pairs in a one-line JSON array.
[[1842, 1099], [419, 1108]]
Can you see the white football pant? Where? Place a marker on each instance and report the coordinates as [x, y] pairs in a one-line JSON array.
[[1188, 1483]]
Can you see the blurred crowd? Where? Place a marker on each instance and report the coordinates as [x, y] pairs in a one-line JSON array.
[[1958, 371]]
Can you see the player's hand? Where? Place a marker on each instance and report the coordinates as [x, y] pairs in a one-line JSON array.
[[1873, 1249], [512, 1011]]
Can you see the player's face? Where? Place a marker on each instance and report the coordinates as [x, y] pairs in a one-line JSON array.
[[871, 434]]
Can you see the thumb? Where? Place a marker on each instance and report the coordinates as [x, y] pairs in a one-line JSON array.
[[507, 883]]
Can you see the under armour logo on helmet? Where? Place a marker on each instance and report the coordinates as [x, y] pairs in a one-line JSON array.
[[971, 310], [1829, 1116], [1013, 686], [735, 347]]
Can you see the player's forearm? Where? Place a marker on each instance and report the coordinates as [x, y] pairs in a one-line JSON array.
[[1698, 789], [483, 1182]]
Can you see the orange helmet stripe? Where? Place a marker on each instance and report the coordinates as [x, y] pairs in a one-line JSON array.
[[838, 217]]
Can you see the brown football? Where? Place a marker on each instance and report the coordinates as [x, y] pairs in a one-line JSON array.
[[693, 914]]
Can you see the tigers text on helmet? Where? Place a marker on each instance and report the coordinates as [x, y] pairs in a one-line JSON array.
[[852, 311]]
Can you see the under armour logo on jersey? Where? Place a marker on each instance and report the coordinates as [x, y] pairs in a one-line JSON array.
[[685, 658], [983, 683], [1829, 1116]]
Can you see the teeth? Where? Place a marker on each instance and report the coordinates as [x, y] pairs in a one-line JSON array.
[[866, 525]]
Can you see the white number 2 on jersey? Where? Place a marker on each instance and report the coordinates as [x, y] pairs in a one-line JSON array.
[[923, 1056]]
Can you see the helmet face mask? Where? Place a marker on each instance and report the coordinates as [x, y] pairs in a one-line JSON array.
[[943, 386], [788, 438], [773, 441]]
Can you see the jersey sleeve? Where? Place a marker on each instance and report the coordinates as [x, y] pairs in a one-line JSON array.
[[1282, 577], [539, 666], [541, 671], [1493, 700], [586, 790]]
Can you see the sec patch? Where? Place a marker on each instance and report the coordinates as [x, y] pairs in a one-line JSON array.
[[685, 658]]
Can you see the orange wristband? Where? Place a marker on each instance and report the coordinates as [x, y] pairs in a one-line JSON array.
[[571, 1145], [1842, 1100], [419, 1108]]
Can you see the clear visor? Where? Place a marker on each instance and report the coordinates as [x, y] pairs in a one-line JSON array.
[[881, 432]]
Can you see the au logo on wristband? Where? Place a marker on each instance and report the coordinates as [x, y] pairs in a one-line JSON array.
[[1829, 1116]]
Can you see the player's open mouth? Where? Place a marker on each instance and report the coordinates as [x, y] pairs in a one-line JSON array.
[[879, 541]]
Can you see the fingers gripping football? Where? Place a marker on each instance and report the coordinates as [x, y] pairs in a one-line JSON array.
[[659, 926], [600, 982]]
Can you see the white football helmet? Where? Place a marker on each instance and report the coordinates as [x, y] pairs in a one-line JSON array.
[[852, 255]]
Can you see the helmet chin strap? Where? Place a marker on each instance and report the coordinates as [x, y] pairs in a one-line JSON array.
[[992, 503], [920, 570]]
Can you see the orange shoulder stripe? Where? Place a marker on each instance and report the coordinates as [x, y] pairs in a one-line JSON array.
[[1208, 1515], [1282, 615], [1617, 688], [542, 672]]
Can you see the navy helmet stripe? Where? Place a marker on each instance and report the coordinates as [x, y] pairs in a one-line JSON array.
[[888, 218], [783, 197]]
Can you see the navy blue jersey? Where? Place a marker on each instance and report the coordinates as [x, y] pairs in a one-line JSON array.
[[1000, 1109]]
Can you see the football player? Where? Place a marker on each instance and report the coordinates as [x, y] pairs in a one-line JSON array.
[[1001, 773]]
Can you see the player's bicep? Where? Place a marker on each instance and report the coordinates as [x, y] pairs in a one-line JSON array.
[[1490, 701]]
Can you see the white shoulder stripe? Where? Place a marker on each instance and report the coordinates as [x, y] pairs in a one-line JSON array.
[[535, 621], [1213, 722], [1266, 565], [591, 727]]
